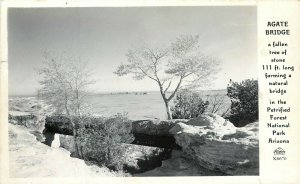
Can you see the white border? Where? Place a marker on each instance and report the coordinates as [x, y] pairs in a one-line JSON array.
[[266, 171]]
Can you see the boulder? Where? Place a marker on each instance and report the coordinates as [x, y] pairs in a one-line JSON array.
[[154, 127], [32, 121], [22, 118], [67, 142], [215, 144], [155, 133], [138, 159]]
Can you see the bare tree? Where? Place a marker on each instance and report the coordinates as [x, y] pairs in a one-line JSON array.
[[172, 67], [216, 102], [65, 82]]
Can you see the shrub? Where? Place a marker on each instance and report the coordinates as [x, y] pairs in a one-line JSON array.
[[99, 139], [244, 102], [188, 104]]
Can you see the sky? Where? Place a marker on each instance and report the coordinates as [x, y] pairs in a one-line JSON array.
[[102, 37]]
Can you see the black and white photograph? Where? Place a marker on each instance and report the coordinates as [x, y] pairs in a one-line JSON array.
[[133, 91]]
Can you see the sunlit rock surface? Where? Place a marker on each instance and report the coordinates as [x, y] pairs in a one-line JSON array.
[[138, 159], [154, 127], [29, 112], [30, 158], [155, 133], [216, 144]]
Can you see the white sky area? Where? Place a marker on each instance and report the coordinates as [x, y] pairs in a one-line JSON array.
[[102, 37]]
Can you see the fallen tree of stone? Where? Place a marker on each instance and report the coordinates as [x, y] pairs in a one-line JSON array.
[[209, 140]]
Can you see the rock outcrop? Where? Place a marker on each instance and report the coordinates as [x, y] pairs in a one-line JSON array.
[[67, 142], [154, 133], [154, 127], [22, 118], [29, 112], [214, 143], [138, 159], [29, 158], [33, 122]]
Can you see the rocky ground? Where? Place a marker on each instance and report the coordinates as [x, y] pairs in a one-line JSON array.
[[215, 144], [30, 158]]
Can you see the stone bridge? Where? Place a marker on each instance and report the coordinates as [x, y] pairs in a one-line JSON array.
[[153, 133]]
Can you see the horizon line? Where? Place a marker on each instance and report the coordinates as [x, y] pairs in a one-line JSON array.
[[109, 92]]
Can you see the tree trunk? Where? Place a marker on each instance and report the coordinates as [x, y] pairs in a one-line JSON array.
[[66, 104], [78, 151], [169, 113]]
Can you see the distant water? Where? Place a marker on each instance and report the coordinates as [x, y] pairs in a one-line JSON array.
[[137, 106]]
